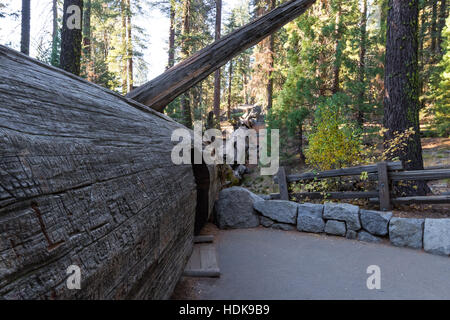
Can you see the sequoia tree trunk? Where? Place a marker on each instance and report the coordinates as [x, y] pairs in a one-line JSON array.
[[401, 102]]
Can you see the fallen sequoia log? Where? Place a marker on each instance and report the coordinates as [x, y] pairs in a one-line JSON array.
[[162, 90], [86, 179]]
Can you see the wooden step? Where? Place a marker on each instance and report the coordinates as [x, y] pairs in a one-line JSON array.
[[203, 261]]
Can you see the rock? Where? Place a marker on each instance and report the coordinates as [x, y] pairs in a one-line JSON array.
[[278, 210], [352, 235], [367, 237], [234, 209], [310, 218], [336, 228], [283, 226], [404, 232], [436, 236], [376, 222], [264, 196], [266, 222], [343, 212]]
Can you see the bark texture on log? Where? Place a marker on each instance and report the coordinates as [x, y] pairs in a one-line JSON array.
[[86, 179], [160, 91]]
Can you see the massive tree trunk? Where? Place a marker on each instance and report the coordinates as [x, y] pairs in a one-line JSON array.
[[86, 179], [166, 87], [362, 64], [401, 103], [71, 36], [217, 74], [25, 34]]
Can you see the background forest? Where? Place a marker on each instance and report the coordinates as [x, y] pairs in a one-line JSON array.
[[320, 79]]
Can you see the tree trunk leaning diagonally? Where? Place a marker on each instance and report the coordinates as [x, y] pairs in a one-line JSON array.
[[401, 102], [160, 91], [86, 179], [25, 34], [71, 36]]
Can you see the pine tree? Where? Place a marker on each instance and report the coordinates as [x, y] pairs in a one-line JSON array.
[[401, 104]]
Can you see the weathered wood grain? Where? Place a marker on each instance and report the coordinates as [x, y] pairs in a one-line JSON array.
[[86, 179], [162, 90]]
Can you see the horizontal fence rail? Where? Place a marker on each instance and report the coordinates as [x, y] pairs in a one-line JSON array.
[[384, 172]]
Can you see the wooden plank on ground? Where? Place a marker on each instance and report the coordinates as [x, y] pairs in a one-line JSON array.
[[204, 239], [203, 262]]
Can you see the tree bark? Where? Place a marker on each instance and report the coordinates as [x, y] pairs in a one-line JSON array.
[[124, 48], [401, 102], [230, 82], [186, 29], [71, 36], [217, 74], [337, 50], [171, 61], [434, 27], [362, 64], [87, 39], [54, 56], [272, 5], [441, 25], [25, 34], [160, 91], [129, 48]]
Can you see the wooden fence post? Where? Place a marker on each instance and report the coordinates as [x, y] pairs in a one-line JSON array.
[[383, 187], [282, 183]]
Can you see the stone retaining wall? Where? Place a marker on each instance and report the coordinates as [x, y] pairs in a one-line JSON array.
[[346, 220]]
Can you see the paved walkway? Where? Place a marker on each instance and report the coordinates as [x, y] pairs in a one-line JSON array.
[[269, 264]]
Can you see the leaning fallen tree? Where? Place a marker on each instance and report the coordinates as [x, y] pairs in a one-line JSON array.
[[162, 90]]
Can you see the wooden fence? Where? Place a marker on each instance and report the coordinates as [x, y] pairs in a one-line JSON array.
[[384, 172]]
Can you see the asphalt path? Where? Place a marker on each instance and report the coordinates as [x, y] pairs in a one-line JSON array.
[[270, 264]]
